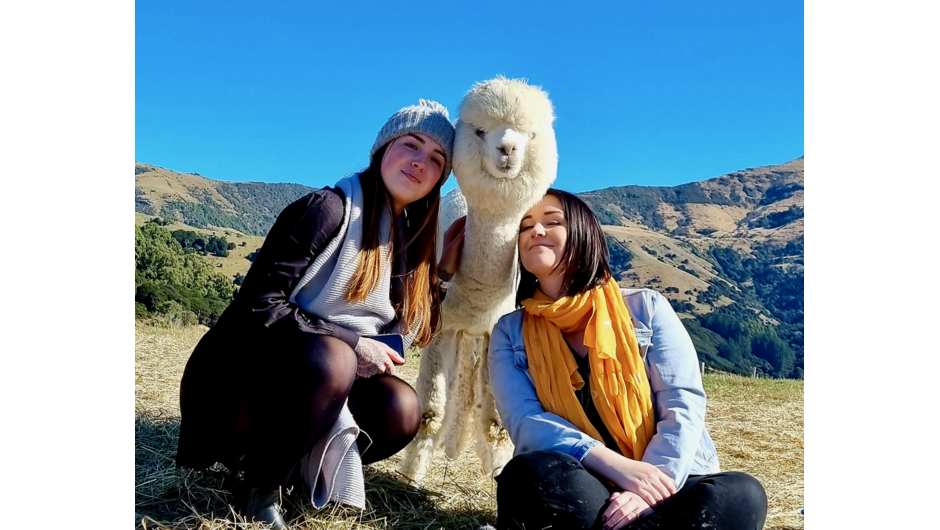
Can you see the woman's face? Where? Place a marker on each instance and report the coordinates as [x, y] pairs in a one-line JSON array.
[[543, 234], [411, 167]]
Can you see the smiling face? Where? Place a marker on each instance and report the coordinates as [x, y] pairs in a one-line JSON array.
[[543, 236], [411, 167]]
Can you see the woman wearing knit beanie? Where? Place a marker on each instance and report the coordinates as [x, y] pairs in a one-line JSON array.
[[290, 370]]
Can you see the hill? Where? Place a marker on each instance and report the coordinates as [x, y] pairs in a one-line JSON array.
[[249, 207], [755, 205], [727, 249]]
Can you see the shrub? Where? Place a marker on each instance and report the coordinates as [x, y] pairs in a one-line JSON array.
[[180, 286], [681, 306]]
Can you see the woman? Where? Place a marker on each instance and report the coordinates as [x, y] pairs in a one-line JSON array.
[[270, 379], [600, 391]]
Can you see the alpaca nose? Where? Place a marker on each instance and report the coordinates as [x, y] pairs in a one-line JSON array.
[[507, 149]]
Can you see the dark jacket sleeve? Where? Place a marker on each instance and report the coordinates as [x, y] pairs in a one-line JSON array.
[[298, 236]]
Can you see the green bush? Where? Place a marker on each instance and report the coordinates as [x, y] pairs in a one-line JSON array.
[[681, 306], [179, 286], [778, 219], [204, 244]]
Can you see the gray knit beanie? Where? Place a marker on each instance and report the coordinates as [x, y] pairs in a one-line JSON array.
[[427, 117]]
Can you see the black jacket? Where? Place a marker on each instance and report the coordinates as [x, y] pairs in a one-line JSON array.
[[217, 374]]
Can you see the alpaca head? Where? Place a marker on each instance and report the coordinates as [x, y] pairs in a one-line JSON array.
[[505, 156]]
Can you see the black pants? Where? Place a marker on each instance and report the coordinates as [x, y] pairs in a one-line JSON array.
[[296, 394], [543, 489]]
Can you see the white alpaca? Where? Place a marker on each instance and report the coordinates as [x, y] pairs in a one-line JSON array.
[[505, 159]]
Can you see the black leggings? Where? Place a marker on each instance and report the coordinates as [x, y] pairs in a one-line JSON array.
[[543, 489], [296, 395]]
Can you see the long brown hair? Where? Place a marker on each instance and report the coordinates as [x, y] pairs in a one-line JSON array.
[[421, 301], [585, 260]]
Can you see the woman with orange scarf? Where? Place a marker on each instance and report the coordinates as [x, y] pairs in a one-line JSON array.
[[600, 391]]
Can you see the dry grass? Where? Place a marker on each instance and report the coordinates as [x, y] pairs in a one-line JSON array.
[[757, 425]]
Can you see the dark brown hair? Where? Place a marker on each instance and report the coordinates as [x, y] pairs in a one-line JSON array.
[[421, 299], [585, 260]]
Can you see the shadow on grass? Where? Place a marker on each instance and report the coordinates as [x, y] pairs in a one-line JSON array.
[[166, 497], [165, 493]]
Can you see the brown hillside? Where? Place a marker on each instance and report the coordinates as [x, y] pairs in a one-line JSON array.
[[158, 186], [728, 210], [732, 222], [660, 271]]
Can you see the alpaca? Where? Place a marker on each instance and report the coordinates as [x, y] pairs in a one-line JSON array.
[[505, 158]]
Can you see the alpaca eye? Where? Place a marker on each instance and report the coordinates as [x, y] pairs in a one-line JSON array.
[[481, 133], [532, 135]]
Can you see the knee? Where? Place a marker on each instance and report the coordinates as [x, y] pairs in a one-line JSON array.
[[328, 358], [391, 402], [405, 409], [541, 489], [750, 493], [743, 492]]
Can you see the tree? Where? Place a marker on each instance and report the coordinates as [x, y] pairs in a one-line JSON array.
[[180, 286], [774, 351]]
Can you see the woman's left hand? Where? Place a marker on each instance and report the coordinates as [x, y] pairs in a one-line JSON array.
[[625, 507], [453, 247]]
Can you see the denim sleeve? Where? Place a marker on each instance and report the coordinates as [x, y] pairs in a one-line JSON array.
[[530, 427], [677, 390]]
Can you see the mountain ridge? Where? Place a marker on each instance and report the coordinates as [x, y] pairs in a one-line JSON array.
[[249, 207], [729, 247]]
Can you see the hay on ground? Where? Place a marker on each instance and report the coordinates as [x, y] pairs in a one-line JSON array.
[[757, 426]]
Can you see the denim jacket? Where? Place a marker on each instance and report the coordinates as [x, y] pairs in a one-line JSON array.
[[681, 445]]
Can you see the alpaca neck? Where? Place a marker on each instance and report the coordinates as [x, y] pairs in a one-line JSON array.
[[484, 286], [494, 238]]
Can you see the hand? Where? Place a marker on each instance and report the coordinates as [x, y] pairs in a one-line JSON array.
[[625, 507], [641, 478], [373, 357], [453, 247], [645, 480]]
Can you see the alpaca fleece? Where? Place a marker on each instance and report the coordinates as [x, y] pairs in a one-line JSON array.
[[505, 159]]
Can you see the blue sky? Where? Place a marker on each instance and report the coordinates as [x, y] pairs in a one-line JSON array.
[[646, 94]]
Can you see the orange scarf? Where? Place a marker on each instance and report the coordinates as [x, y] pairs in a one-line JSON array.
[[619, 387]]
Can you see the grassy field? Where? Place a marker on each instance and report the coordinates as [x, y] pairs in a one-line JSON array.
[[757, 425]]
